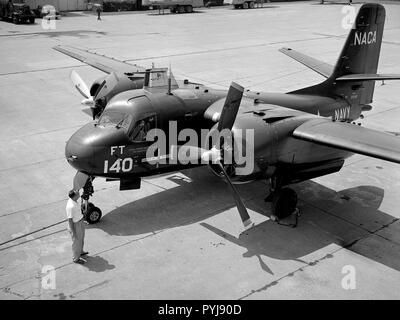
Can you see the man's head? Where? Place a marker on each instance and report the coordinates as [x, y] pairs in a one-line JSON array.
[[74, 195]]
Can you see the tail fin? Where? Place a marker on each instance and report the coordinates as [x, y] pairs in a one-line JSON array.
[[359, 57]]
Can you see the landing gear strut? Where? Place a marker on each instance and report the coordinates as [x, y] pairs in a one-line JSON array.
[[91, 213], [284, 202]]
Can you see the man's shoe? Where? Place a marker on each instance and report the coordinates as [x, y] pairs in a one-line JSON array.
[[80, 261], [84, 253]]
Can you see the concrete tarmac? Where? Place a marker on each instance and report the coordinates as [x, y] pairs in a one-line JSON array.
[[180, 236]]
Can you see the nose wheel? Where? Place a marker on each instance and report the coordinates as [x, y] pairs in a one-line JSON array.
[[91, 213]]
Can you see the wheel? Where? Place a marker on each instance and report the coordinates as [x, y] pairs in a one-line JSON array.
[[251, 5], [189, 9], [245, 5], [284, 202], [181, 9], [172, 10], [15, 20], [32, 20], [236, 6], [93, 215]]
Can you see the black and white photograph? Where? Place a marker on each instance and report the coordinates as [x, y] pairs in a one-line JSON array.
[[199, 150]]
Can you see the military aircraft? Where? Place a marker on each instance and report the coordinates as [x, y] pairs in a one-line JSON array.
[[296, 136]]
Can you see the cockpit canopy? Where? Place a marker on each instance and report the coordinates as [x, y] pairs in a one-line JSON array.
[[115, 118], [135, 120]]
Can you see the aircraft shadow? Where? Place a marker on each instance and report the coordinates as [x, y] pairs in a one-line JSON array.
[[327, 217], [193, 199]]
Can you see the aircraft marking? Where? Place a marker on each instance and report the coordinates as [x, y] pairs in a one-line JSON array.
[[342, 113], [361, 38]]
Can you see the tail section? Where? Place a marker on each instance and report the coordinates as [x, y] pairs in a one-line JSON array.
[[354, 74]]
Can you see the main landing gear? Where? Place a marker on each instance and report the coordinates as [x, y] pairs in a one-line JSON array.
[[91, 213], [284, 203]]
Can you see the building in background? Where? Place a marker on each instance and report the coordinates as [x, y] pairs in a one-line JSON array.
[[61, 5]]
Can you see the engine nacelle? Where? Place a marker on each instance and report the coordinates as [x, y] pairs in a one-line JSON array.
[[257, 145], [96, 84]]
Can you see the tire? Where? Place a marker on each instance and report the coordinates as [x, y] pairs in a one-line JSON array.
[[93, 214], [181, 9], [189, 9], [284, 203], [251, 5], [172, 10], [245, 5], [32, 20], [15, 20]]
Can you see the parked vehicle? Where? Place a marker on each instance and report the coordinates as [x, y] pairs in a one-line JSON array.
[[177, 6], [246, 4], [18, 12]]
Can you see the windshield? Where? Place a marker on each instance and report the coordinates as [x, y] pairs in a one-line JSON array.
[[115, 118]]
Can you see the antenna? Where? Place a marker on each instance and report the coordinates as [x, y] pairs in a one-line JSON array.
[[169, 79]]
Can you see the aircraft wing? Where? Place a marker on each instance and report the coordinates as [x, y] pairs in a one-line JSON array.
[[350, 137], [318, 66], [100, 62]]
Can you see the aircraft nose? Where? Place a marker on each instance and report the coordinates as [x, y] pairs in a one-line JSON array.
[[89, 147], [79, 151]]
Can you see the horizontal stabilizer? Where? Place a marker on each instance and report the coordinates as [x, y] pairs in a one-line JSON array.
[[351, 138], [324, 69], [368, 76]]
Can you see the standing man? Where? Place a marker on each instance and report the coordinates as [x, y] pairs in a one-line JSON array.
[[76, 227], [98, 12]]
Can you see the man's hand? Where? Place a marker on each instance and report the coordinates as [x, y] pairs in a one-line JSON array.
[[71, 228]]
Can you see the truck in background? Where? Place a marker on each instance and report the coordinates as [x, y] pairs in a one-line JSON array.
[[176, 6], [16, 11], [247, 4]]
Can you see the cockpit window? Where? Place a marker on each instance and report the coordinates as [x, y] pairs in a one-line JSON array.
[[142, 127], [115, 118]]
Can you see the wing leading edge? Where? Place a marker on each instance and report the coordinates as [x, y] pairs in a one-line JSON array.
[[350, 137], [97, 61]]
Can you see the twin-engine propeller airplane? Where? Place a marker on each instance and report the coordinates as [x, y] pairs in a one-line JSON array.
[[291, 137]]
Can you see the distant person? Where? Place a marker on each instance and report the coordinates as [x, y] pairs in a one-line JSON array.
[[98, 10], [10, 7], [76, 227]]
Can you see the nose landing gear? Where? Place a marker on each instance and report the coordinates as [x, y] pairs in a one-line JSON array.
[[91, 213]]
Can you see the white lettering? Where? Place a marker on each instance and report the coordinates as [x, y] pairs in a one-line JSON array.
[[361, 38]]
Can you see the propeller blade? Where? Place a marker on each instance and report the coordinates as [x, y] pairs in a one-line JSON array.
[[79, 84], [80, 180], [244, 215], [231, 107], [88, 102], [106, 86]]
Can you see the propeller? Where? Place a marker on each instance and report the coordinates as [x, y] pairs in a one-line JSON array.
[[226, 121], [105, 87], [79, 180], [83, 89]]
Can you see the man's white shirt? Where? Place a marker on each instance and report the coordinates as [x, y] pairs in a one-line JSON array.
[[73, 210]]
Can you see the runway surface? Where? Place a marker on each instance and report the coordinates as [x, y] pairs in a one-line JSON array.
[[180, 236]]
